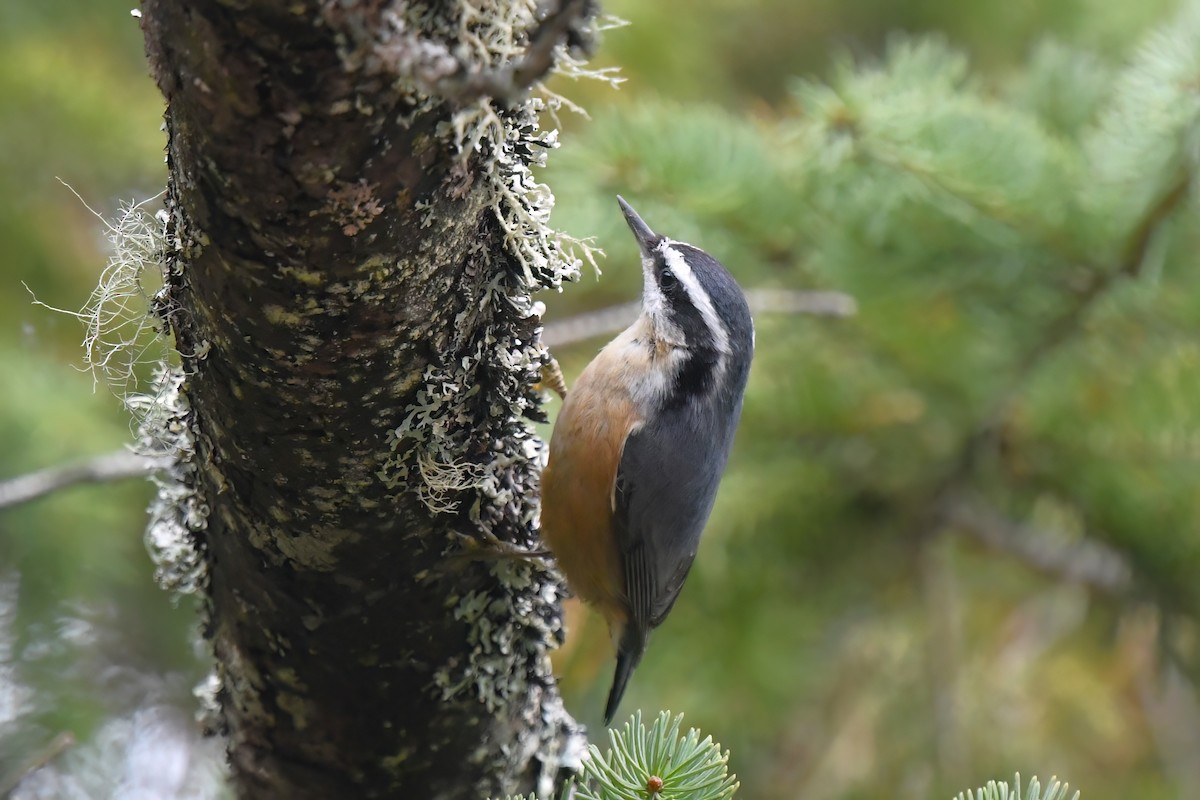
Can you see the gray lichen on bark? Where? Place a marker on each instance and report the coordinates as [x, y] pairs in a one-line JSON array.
[[177, 514], [349, 283]]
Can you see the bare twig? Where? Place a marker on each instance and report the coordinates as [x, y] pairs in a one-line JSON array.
[[509, 83], [1085, 561], [109, 467], [943, 657], [439, 72], [592, 324], [57, 746], [1168, 700], [123, 464]]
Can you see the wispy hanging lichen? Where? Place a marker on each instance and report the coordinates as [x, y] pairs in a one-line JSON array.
[[120, 333]]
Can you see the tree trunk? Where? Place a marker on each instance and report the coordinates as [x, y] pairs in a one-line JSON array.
[[353, 241]]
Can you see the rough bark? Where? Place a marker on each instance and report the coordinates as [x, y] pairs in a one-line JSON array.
[[358, 346]]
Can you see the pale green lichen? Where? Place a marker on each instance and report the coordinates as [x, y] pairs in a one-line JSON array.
[[317, 550], [309, 277], [244, 686], [399, 759], [296, 708], [278, 315]]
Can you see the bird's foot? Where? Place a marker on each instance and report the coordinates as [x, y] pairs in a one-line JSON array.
[[489, 547], [552, 378]]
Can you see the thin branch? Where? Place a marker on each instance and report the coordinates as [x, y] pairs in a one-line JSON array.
[[509, 83], [590, 325], [613, 319], [57, 746], [100, 469], [1085, 561], [943, 657], [1134, 258], [438, 72], [1169, 703], [817, 303]]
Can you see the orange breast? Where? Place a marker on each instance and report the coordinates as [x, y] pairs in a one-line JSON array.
[[577, 485]]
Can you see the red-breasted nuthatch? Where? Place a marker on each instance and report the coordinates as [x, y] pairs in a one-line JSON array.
[[641, 442]]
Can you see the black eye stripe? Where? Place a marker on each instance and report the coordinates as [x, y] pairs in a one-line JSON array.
[[668, 281]]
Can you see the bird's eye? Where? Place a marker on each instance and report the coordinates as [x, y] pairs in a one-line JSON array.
[[668, 281]]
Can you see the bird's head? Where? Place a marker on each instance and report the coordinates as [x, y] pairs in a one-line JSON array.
[[689, 299]]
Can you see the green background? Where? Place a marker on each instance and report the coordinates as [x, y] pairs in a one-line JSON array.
[[837, 637]]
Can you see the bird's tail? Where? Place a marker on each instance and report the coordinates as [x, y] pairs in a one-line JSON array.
[[629, 654]]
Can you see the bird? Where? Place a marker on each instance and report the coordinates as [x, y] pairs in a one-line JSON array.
[[642, 440]]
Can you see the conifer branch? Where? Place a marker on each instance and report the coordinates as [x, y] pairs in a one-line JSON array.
[[1063, 328], [945, 504], [644, 762], [653, 762], [989, 207], [999, 790], [1131, 265]]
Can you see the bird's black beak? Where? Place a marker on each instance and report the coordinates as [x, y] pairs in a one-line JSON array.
[[647, 239]]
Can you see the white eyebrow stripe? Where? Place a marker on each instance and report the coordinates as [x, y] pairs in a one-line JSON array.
[[700, 299]]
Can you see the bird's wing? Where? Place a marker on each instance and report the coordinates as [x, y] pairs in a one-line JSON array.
[[665, 486]]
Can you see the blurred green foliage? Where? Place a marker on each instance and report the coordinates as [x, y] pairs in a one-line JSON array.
[[976, 175], [1009, 217]]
